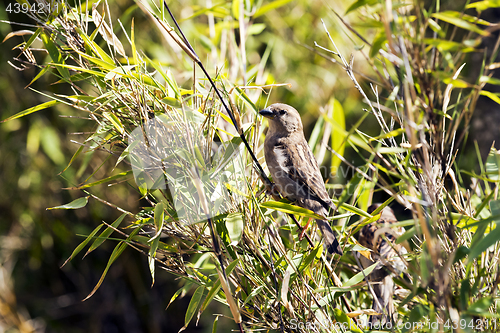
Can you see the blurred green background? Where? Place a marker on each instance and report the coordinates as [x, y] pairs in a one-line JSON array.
[[35, 293]]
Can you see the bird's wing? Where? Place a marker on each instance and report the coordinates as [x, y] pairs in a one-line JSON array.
[[299, 163]]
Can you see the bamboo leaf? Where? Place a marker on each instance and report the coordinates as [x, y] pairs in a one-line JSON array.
[[31, 110], [116, 253], [352, 209], [120, 176], [105, 234], [455, 19], [39, 75], [338, 134], [115, 121], [360, 276], [234, 225], [193, 304], [75, 204], [270, 6], [73, 158], [217, 285], [80, 247], [483, 5], [55, 55], [480, 307], [290, 209], [378, 42], [360, 3], [490, 239]]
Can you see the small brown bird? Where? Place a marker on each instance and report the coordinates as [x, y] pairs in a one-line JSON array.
[[294, 168], [380, 237]]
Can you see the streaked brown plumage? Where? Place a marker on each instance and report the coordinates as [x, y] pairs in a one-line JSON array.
[[387, 255], [294, 168]]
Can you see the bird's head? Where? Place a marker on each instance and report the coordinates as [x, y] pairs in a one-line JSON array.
[[282, 118]]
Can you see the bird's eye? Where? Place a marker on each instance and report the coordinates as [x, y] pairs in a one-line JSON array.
[[282, 112]]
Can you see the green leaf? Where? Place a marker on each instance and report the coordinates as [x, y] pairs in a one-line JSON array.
[[114, 120], [469, 18], [489, 80], [314, 138], [360, 3], [455, 19], [120, 176], [338, 135], [407, 235], [55, 55], [116, 253], [217, 10], [51, 144], [378, 42], [360, 276], [235, 8], [416, 314], [83, 244], [39, 75], [352, 209], [214, 326], [290, 209], [254, 293], [217, 285], [390, 150], [444, 45], [106, 233], [193, 304], [31, 110], [32, 39], [256, 29], [307, 261], [270, 6], [481, 306], [246, 99], [73, 158], [490, 239], [457, 83], [493, 165], [494, 96], [104, 64], [75, 204], [234, 225], [436, 28], [391, 134], [159, 220], [172, 102], [483, 5], [174, 297], [96, 48]]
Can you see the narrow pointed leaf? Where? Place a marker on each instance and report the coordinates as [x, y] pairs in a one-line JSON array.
[[75, 204]]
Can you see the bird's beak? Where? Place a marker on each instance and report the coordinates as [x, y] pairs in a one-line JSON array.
[[267, 113]]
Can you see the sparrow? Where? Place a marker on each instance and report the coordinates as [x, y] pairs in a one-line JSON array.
[[380, 237], [294, 169]]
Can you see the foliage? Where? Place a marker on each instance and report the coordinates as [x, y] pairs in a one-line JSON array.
[[239, 248]]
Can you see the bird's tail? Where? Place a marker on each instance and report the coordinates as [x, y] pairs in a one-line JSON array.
[[331, 242], [384, 291]]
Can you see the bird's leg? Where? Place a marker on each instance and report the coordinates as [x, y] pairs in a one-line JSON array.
[[303, 231]]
